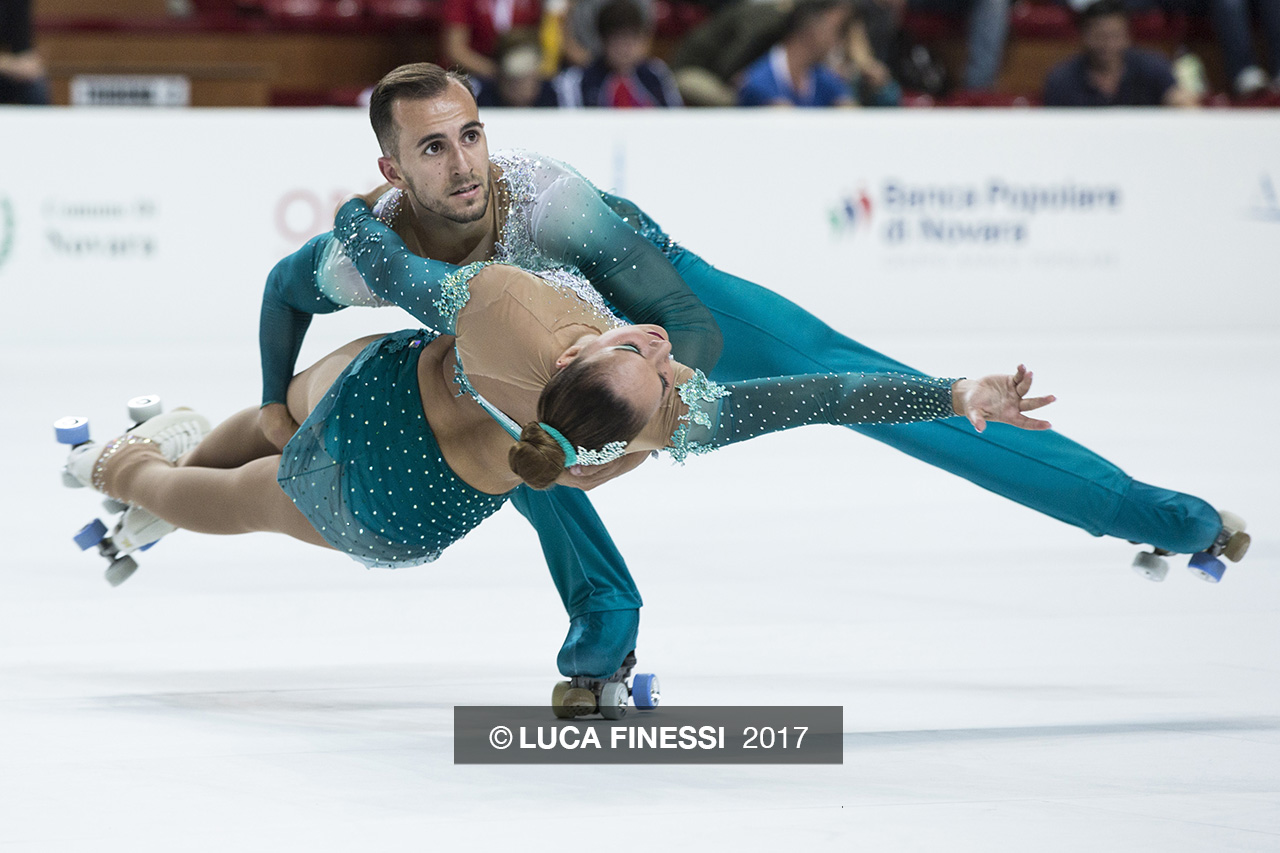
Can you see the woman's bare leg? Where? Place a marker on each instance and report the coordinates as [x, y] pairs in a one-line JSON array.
[[224, 501], [232, 443], [227, 485]]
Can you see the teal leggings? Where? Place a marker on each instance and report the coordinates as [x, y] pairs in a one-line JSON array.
[[765, 335]]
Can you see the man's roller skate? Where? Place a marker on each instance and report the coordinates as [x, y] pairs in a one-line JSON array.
[[582, 695], [1232, 543], [171, 434]]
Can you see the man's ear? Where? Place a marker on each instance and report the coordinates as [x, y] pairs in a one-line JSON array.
[[567, 357], [388, 168]]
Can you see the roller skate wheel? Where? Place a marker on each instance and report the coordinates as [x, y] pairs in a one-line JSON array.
[[613, 700], [1207, 567], [71, 430], [112, 505], [1151, 566], [579, 700], [1237, 546], [145, 408], [557, 701], [91, 534], [70, 480], [120, 570], [645, 692]]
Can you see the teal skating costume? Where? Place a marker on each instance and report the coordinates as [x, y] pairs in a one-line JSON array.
[[554, 218], [365, 468], [765, 335], [367, 473]]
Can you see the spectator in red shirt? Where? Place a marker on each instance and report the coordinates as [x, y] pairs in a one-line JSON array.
[[472, 27], [625, 73]]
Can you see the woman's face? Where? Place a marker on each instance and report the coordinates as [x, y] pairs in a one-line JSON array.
[[639, 360]]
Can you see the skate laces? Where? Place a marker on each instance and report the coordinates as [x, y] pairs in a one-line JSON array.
[[178, 439]]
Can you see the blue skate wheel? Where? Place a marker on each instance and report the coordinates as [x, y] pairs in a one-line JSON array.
[[71, 431], [644, 691], [91, 534], [1207, 566]]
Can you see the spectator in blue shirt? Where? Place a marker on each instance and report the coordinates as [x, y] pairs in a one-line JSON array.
[[794, 72], [1109, 72]]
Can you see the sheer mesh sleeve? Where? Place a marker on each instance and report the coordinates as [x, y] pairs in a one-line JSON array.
[[290, 298], [429, 290], [720, 415], [571, 224]]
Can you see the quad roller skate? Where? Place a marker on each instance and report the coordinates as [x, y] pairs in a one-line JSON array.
[[582, 696], [137, 529], [1232, 543]]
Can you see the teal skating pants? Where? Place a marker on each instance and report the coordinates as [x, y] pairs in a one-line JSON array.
[[766, 335], [592, 578]]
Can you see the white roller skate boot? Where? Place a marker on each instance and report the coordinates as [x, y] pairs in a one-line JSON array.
[[173, 434], [170, 435]]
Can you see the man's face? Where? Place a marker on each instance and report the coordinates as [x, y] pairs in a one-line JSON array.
[[827, 30], [1106, 39], [442, 156]]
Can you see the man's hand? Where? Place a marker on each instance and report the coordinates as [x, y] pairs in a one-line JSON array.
[[277, 424], [1001, 399], [587, 477]]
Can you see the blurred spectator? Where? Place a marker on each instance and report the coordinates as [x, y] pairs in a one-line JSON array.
[[472, 27], [870, 78], [582, 42], [1109, 72], [519, 82], [1232, 23], [709, 61], [625, 74], [794, 71], [22, 74], [988, 24], [1231, 20]]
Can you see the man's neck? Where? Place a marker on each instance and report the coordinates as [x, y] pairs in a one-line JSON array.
[[800, 64], [454, 242], [1104, 67]]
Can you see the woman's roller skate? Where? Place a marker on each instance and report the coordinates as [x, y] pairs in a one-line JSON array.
[[1232, 543], [88, 465]]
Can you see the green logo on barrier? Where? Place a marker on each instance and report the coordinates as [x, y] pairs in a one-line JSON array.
[[6, 229]]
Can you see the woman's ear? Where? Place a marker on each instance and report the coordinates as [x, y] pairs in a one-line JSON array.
[[567, 357]]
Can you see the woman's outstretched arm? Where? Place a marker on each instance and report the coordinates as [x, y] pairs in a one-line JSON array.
[[719, 415]]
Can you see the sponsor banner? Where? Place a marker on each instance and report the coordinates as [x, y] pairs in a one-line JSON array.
[[901, 220], [690, 735]]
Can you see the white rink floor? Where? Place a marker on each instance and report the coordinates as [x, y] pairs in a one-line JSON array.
[[1007, 682]]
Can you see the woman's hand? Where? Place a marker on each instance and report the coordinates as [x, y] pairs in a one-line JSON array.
[[587, 477], [1001, 399], [277, 424]]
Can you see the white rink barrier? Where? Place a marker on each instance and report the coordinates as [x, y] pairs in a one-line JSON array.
[[904, 220]]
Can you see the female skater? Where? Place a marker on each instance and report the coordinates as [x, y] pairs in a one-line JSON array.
[[409, 440]]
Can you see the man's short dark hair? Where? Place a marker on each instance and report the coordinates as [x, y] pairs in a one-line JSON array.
[[620, 16], [418, 81], [1099, 9]]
